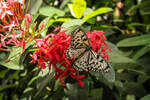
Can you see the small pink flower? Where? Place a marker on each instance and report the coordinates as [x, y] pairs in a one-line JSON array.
[[4, 10], [15, 1], [10, 26], [28, 18], [43, 42], [3, 38]]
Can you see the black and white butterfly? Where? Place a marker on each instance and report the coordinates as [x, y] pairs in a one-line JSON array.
[[85, 59]]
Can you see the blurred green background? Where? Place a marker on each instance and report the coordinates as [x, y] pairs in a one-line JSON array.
[[126, 24]]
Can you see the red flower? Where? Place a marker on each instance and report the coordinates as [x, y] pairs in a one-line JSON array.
[[14, 34], [11, 14], [15, 1], [52, 48], [97, 40], [9, 18], [4, 10], [51, 51]]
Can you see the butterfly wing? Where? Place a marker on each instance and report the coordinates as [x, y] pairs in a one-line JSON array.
[[91, 60], [84, 59], [80, 63], [97, 63], [78, 45], [72, 53], [79, 39]]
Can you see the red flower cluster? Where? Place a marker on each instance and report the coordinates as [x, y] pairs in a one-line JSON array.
[[12, 32], [97, 41], [51, 53]]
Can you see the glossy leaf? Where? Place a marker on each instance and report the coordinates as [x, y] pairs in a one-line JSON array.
[[60, 20], [15, 60], [97, 12], [12, 61], [134, 41], [141, 52], [34, 6], [87, 11], [50, 11], [72, 23], [147, 97]]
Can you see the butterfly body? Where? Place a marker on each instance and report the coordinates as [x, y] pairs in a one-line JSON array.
[[84, 58]]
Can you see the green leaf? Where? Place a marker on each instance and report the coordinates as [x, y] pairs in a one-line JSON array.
[[134, 41], [92, 21], [15, 75], [47, 24], [50, 11], [44, 77], [75, 92], [96, 94], [119, 61], [110, 76], [112, 27], [113, 47], [3, 55], [124, 76], [73, 22], [13, 60], [118, 58], [34, 18], [25, 53], [60, 20], [119, 86], [7, 86], [143, 78], [87, 11], [32, 80], [42, 82], [130, 97], [144, 61], [140, 5], [34, 6], [141, 52], [64, 3], [78, 8], [1, 96], [134, 88], [72, 28], [3, 73], [44, 72], [97, 12], [147, 97]]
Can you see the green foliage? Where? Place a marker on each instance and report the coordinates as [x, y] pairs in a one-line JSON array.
[[51, 11], [128, 37], [134, 41], [97, 12]]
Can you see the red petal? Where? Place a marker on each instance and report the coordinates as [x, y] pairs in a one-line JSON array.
[[81, 83]]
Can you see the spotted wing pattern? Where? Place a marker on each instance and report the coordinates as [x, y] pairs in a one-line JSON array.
[[78, 45], [79, 39], [84, 59], [91, 60], [72, 53]]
